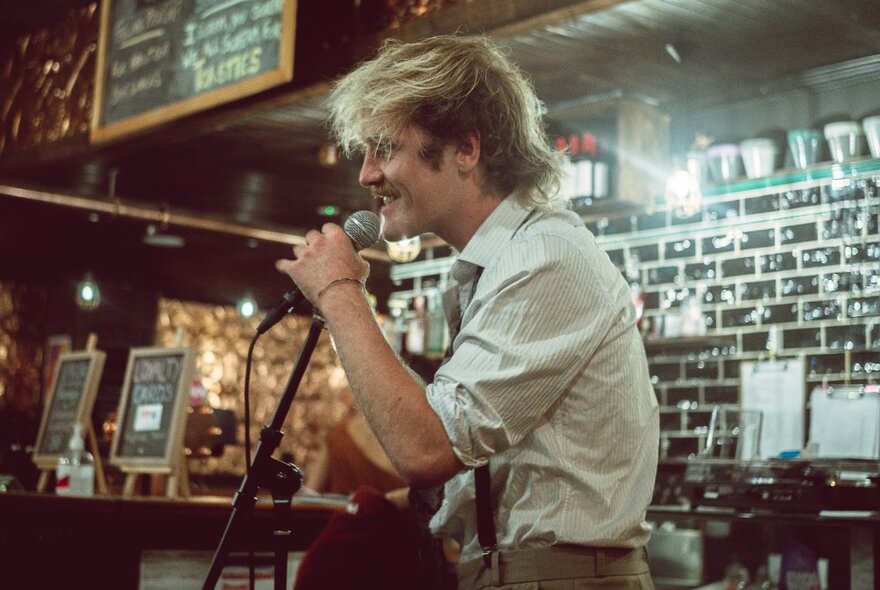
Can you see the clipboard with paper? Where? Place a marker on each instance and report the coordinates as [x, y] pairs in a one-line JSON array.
[[845, 421], [777, 389]]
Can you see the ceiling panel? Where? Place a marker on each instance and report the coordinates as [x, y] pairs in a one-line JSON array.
[[260, 166]]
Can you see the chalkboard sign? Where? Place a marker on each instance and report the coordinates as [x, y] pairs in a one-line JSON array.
[[162, 59], [70, 400], [152, 409]]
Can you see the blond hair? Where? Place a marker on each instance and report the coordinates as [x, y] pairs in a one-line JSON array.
[[451, 86]]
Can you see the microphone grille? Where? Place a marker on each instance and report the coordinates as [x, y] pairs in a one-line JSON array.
[[363, 227]]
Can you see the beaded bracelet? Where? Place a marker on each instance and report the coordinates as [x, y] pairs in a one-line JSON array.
[[338, 281]]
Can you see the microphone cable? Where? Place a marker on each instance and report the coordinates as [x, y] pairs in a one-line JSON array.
[[247, 443]]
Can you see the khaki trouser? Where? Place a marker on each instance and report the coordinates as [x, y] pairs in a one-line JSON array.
[[560, 568]]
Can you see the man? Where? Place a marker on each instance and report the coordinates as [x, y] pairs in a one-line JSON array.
[[547, 381]]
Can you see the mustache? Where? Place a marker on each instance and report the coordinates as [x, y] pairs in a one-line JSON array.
[[383, 190]]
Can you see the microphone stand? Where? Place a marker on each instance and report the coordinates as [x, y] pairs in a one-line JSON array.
[[282, 479]]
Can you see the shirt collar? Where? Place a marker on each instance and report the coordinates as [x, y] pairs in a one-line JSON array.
[[495, 230]]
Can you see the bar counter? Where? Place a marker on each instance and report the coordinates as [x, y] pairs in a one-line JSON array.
[[49, 541]]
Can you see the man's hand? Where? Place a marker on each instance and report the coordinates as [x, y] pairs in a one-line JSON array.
[[327, 256]]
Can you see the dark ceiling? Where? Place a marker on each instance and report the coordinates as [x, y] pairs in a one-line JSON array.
[[255, 164]]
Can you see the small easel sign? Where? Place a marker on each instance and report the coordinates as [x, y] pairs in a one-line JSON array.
[[152, 417], [70, 401]]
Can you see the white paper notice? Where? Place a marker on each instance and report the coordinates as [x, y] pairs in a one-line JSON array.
[[845, 422], [148, 418]]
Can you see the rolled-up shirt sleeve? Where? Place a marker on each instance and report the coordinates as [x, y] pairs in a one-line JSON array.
[[519, 350]]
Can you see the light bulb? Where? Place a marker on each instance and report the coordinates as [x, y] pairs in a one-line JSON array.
[[247, 307], [405, 250], [88, 296], [683, 195]]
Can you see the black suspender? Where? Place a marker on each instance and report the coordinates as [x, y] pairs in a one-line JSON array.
[[482, 477], [485, 513]]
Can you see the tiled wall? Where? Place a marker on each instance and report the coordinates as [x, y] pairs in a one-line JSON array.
[[794, 257]]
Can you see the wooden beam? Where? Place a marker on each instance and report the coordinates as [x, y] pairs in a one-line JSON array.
[[186, 219]]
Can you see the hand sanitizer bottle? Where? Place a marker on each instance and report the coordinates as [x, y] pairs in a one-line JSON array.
[[75, 475]]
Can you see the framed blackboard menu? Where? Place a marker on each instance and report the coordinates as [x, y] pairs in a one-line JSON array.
[[70, 400], [152, 409], [162, 59]]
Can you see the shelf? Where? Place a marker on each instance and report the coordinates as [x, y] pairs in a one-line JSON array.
[[833, 518], [593, 209], [655, 346], [822, 171]]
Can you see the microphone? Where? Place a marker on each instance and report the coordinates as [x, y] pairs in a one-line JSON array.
[[362, 228]]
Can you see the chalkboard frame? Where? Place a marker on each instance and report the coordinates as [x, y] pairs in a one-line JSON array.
[[42, 458], [173, 445], [101, 133]]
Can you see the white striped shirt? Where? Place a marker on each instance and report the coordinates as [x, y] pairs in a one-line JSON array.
[[548, 381]]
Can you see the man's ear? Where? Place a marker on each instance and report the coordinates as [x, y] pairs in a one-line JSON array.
[[467, 155]]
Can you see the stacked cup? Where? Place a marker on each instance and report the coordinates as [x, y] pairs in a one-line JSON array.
[[871, 125], [759, 156], [844, 140], [805, 145], [724, 162]]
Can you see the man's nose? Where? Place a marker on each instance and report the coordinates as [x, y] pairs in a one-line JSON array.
[[371, 172]]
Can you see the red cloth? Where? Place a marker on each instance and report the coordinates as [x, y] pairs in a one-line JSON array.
[[373, 545]]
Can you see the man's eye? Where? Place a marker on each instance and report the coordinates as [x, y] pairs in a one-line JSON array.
[[384, 151]]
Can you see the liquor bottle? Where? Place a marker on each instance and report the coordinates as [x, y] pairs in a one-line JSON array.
[[585, 167], [602, 167], [75, 475]]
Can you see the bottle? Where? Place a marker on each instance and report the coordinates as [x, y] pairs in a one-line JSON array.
[[75, 475], [633, 275], [583, 165]]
